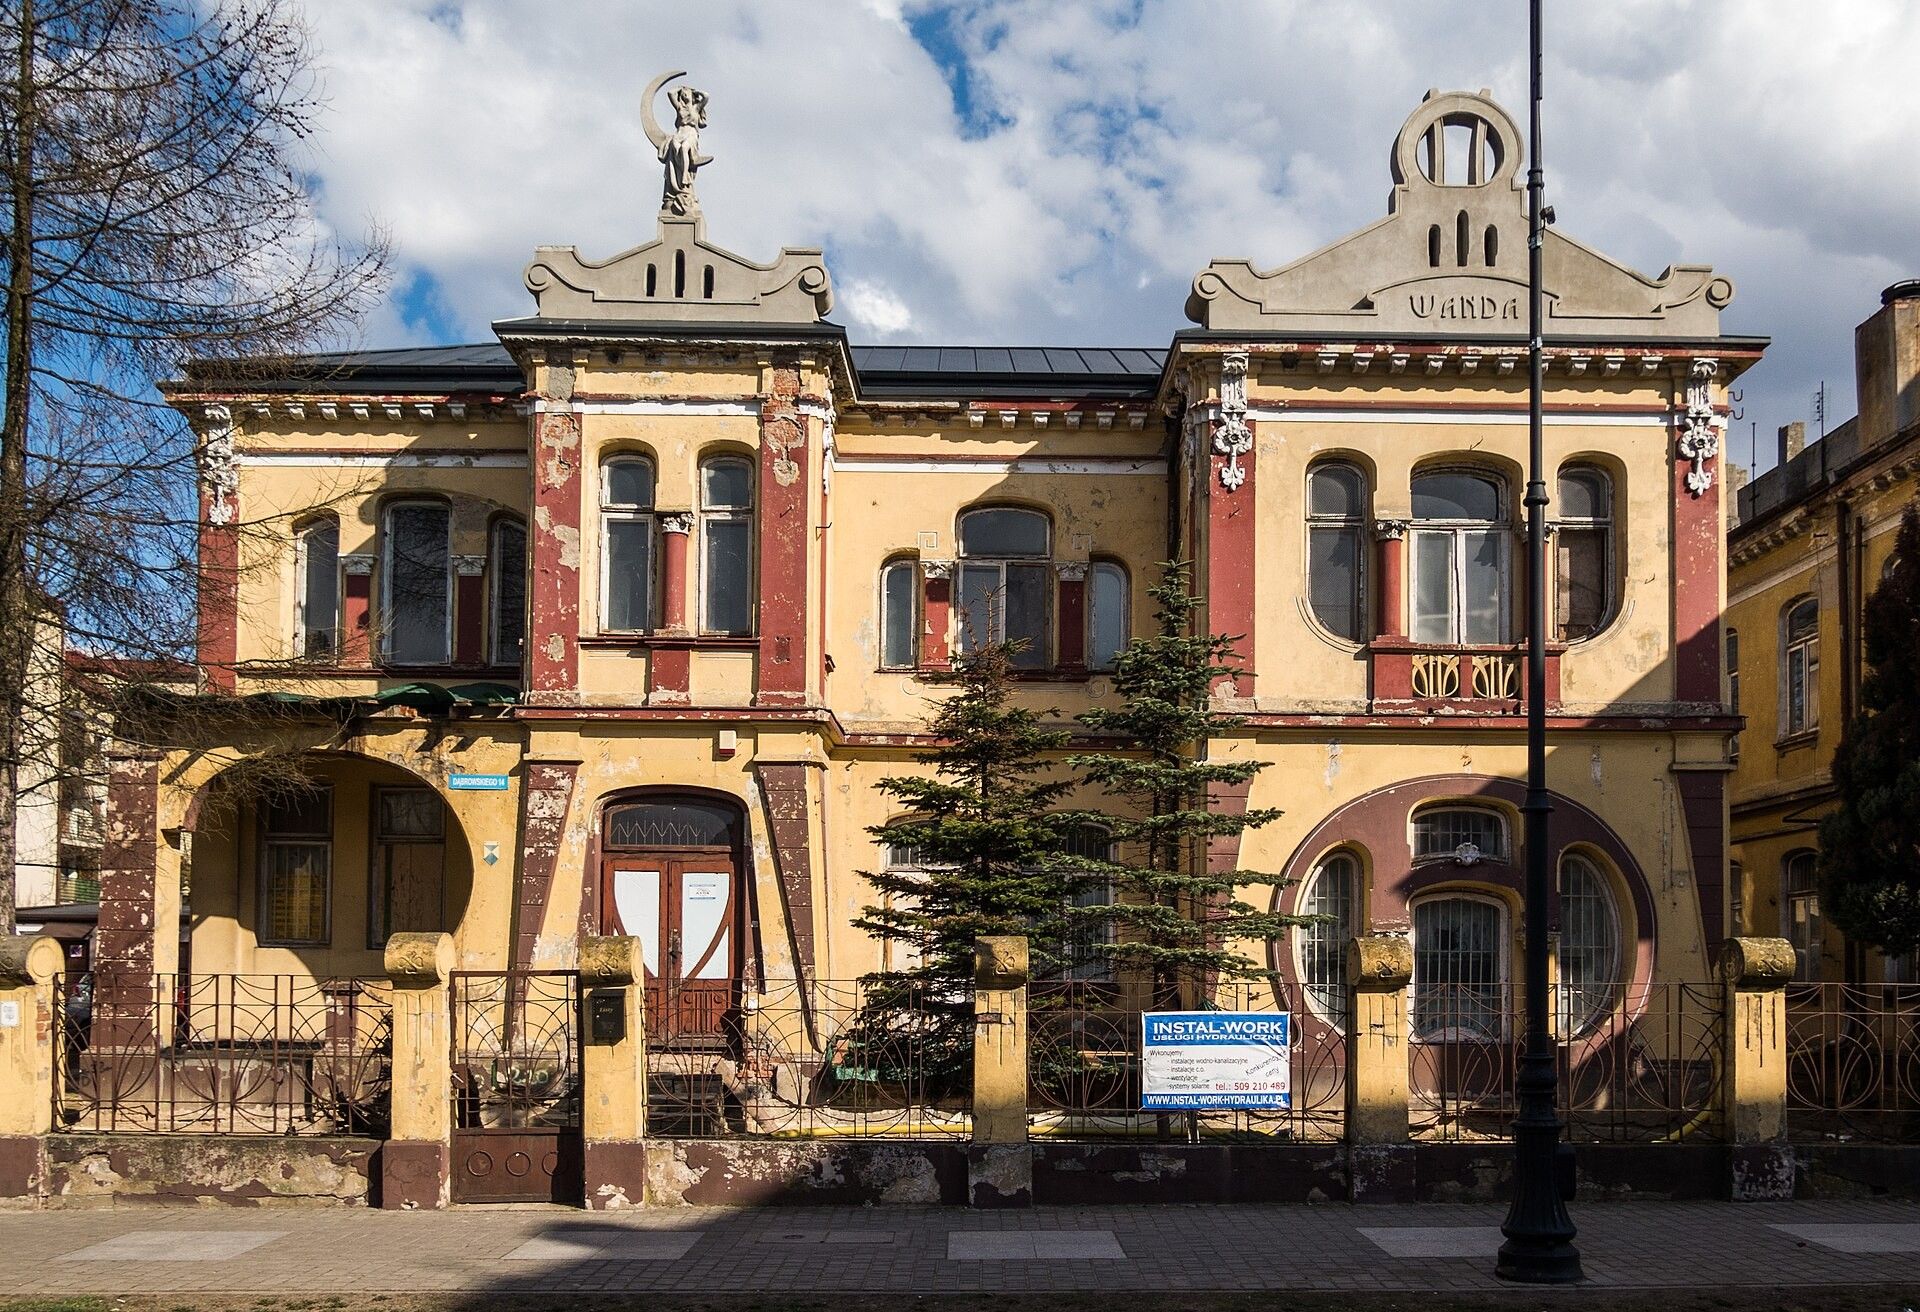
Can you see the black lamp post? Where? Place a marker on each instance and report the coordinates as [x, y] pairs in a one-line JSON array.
[[1539, 1248]]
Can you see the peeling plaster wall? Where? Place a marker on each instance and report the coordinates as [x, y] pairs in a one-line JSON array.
[[109, 1170]]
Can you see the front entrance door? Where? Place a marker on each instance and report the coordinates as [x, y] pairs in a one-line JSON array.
[[683, 906]]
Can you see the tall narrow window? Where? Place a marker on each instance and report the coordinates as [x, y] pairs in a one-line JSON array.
[[726, 545], [1006, 583], [1460, 555], [417, 605], [909, 862], [1589, 946], [626, 545], [509, 583], [296, 868], [1583, 552], [1088, 937], [1459, 969], [1800, 691], [1800, 922], [1336, 514], [409, 864], [1108, 615], [1332, 891], [317, 612], [1733, 669], [899, 615]]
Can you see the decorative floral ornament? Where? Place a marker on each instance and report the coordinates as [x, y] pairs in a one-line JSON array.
[[1699, 438]]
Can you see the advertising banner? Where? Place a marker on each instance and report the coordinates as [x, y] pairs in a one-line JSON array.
[[1216, 1060]]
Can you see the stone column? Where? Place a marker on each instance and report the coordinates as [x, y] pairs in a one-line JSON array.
[[469, 611], [356, 614], [674, 531], [1754, 973], [415, 1162], [1070, 643], [1379, 1153], [936, 608], [27, 968], [613, 1073], [1390, 538], [785, 541], [999, 1160]]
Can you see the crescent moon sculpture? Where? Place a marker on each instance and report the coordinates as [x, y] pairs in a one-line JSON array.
[[647, 120], [679, 151]]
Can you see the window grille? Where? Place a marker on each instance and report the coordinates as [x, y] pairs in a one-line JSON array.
[[1589, 946], [1331, 891], [1459, 833], [1459, 970]]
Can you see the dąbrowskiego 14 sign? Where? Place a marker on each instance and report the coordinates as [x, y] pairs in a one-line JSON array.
[[1215, 1060]]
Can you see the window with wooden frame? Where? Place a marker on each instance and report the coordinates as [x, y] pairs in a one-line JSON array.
[[1109, 613], [1332, 893], [626, 544], [296, 869], [1006, 583], [1800, 920], [726, 546], [416, 624], [1800, 668], [1583, 550], [1461, 547], [507, 572], [1589, 948], [316, 619], [408, 888], [900, 614], [1336, 548]]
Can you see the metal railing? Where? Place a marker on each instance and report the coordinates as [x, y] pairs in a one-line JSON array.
[[516, 1049], [222, 1054], [1083, 1078], [1645, 1070], [817, 1058], [1853, 1062]]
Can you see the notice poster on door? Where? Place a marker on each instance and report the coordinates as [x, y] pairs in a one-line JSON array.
[[1215, 1061]]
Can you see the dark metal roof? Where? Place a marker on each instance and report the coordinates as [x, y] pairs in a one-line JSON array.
[[483, 366], [1820, 464]]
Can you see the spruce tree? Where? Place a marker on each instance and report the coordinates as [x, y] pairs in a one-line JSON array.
[[1172, 919], [985, 831], [1870, 846]]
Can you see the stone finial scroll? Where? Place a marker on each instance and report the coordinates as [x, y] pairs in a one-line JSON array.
[[679, 151]]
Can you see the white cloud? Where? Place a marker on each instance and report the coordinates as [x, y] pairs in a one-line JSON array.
[[1124, 145]]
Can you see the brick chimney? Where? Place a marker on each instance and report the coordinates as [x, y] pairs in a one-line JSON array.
[[1793, 440], [1886, 364]]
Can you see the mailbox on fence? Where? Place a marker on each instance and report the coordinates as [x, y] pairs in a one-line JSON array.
[[607, 1015]]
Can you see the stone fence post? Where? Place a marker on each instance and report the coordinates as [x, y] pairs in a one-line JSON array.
[[1754, 972], [1379, 1152], [27, 968], [999, 1160], [415, 1162], [613, 1072]]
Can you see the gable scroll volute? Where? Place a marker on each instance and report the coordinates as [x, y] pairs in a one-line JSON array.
[[1451, 256]]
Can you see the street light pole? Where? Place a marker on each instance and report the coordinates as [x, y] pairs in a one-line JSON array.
[[1539, 1247]]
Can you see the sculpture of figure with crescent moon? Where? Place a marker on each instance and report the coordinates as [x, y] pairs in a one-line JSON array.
[[679, 152]]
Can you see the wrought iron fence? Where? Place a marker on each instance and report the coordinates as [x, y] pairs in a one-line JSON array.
[[516, 1049], [1646, 1069], [813, 1058], [1853, 1061], [222, 1054], [1083, 1079]]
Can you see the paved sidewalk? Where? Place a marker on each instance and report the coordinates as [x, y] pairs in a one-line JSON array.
[[141, 1249]]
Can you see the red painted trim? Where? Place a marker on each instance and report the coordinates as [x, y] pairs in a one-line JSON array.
[[356, 640], [127, 932], [1441, 721], [669, 641], [783, 543], [783, 792], [1703, 804], [1391, 621], [936, 611], [469, 629], [217, 637], [1070, 643], [1697, 568], [546, 797], [673, 581], [669, 676], [1231, 550], [553, 649]]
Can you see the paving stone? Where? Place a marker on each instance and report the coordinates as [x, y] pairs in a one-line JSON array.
[[606, 1245], [1033, 1246], [1859, 1238], [1477, 1241], [174, 1246]]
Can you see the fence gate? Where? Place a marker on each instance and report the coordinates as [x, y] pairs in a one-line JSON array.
[[516, 1087]]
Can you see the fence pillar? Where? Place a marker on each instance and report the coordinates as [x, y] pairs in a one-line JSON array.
[[1380, 1164], [415, 1161], [1754, 973], [27, 968], [613, 1072], [999, 1160]]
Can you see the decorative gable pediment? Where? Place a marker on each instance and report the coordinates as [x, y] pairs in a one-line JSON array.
[[1452, 255]]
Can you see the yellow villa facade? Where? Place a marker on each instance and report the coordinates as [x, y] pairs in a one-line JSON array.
[[613, 624]]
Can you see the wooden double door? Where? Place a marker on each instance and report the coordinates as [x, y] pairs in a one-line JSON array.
[[684, 906]]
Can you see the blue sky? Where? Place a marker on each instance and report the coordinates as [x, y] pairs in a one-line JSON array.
[[1043, 172]]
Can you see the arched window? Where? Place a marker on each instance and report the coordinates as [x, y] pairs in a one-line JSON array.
[[416, 622], [899, 614], [1460, 559], [1459, 968], [1108, 613], [1463, 834], [626, 552], [1006, 583], [1492, 243], [1583, 552], [508, 571], [1589, 946], [1336, 548], [1332, 891], [726, 538], [1087, 937], [1800, 922], [673, 822], [317, 605], [1800, 673]]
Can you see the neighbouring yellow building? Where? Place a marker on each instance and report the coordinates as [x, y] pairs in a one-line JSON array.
[[1812, 539], [614, 623]]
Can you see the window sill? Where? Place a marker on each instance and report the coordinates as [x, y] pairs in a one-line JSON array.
[[1794, 741], [672, 641], [311, 669], [1016, 676]]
